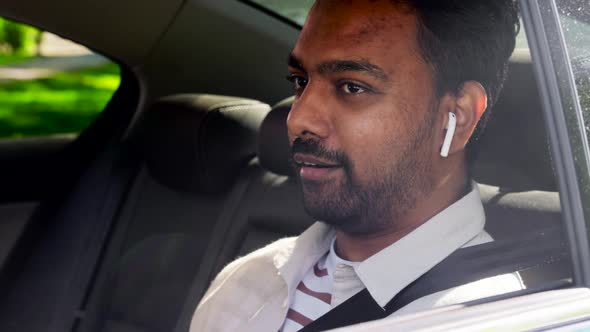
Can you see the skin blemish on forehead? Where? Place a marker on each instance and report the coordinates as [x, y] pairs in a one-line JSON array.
[[368, 30], [363, 31]]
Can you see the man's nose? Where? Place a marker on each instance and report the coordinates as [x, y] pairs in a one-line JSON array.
[[309, 117]]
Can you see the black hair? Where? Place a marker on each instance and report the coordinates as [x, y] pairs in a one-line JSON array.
[[464, 40]]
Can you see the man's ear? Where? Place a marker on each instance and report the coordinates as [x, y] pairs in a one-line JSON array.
[[469, 105]]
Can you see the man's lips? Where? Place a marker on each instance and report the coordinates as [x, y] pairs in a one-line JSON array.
[[312, 168], [305, 160]]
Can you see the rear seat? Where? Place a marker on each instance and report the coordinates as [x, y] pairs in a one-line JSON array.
[[173, 238], [193, 151]]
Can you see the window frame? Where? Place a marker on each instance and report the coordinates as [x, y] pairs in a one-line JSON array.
[[563, 120], [272, 13], [57, 160]]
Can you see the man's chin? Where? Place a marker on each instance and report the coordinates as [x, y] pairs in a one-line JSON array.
[[339, 210], [327, 207]]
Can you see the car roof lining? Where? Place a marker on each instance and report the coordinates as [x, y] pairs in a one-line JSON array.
[[93, 23]]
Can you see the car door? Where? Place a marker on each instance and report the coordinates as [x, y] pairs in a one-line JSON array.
[[59, 104]]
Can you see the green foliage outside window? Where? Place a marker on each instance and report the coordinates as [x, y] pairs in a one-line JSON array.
[[19, 39], [58, 98], [65, 103]]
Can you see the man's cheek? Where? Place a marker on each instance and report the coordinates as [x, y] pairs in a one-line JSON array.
[[357, 172]]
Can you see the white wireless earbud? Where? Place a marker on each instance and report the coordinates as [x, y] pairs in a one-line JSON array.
[[444, 151]]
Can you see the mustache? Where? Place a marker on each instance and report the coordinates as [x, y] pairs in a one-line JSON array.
[[314, 147]]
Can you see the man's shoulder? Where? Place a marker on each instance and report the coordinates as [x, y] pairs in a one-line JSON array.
[[277, 254], [264, 255], [259, 262], [242, 286]]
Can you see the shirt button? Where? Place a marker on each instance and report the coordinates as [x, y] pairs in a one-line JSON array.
[[341, 266]]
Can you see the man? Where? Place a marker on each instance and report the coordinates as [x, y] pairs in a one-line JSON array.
[[381, 88]]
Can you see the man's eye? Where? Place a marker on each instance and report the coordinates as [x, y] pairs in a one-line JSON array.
[[299, 82], [351, 88]]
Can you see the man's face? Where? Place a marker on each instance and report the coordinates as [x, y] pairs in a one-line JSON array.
[[361, 124]]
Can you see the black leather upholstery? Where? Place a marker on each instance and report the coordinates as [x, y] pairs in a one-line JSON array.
[[509, 215], [192, 150], [514, 149], [273, 142], [198, 143]]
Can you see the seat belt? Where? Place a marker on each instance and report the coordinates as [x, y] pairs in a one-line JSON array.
[[123, 171], [465, 265]]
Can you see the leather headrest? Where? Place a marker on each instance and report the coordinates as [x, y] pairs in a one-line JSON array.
[[514, 148], [274, 152], [513, 151], [198, 143]]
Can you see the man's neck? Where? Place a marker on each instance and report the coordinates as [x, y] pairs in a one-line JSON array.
[[358, 248]]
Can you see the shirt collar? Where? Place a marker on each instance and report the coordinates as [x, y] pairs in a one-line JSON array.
[[391, 270], [333, 260], [296, 258]]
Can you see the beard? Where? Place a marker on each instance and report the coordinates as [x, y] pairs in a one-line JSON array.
[[371, 207]]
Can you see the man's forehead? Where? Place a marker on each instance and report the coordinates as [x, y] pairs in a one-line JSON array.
[[357, 18], [356, 29]]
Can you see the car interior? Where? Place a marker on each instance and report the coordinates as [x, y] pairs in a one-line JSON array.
[[123, 227]]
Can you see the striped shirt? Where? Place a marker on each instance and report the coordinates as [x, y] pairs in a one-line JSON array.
[[331, 281]]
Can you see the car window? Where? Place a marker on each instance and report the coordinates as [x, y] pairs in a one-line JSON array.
[[296, 11], [575, 23], [49, 85]]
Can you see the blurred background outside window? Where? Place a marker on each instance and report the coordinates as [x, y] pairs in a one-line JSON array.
[[49, 85]]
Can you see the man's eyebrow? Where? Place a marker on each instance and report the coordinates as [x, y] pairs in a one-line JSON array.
[[294, 62], [338, 66]]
